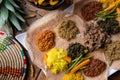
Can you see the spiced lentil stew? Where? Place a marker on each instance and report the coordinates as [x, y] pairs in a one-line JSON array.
[[45, 40]]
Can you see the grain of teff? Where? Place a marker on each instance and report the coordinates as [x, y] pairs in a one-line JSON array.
[[45, 40], [90, 10], [67, 29]]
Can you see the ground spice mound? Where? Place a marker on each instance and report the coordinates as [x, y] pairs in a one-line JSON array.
[[90, 10], [95, 37], [67, 29], [112, 51], [95, 68], [45, 40]]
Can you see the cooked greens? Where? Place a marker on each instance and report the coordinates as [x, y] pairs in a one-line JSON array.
[[111, 26]]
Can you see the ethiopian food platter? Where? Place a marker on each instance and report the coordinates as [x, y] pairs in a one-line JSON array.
[[79, 46]]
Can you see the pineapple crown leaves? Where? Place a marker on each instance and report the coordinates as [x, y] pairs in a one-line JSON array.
[[1, 1], [10, 15]]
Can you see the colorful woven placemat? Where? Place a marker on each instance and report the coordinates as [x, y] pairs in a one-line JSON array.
[[13, 63]]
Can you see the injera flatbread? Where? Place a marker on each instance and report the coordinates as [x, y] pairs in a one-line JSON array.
[[77, 11], [51, 21]]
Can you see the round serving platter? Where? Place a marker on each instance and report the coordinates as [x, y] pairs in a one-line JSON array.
[[13, 63]]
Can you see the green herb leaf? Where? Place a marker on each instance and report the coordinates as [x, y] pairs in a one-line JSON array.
[[107, 14], [15, 22], [8, 24], [9, 6], [109, 17], [2, 22], [19, 17], [20, 11], [75, 63], [4, 13], [13, 3], [86, 51], [1, 1], [7, 30]]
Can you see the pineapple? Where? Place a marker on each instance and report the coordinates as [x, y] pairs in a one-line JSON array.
[[10, 17]]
